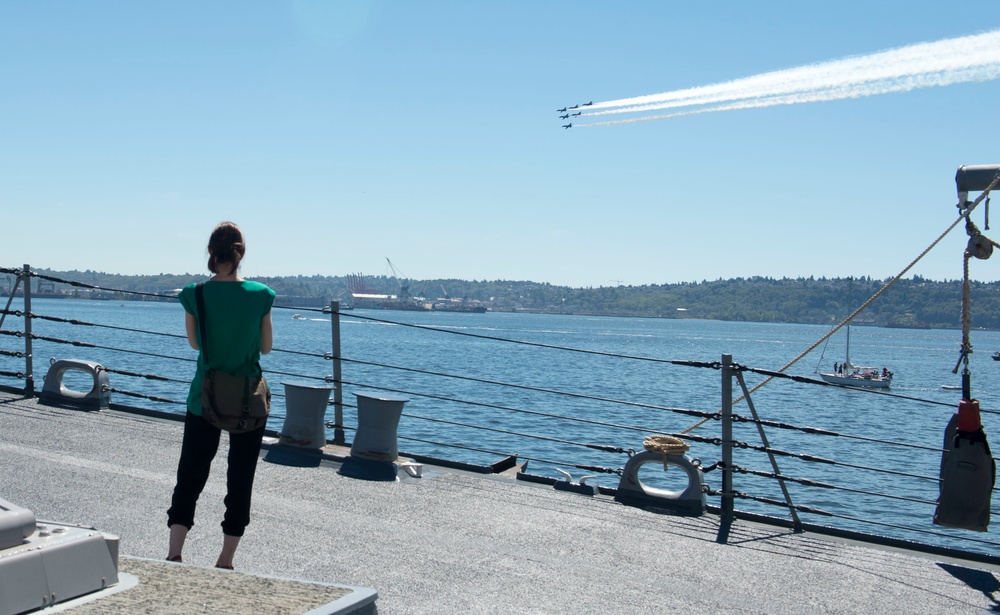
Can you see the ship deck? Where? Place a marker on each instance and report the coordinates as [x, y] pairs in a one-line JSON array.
[[448, 542]]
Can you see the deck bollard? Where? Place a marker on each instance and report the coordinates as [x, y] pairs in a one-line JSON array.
[[305, 414], [378, 419], [688, 501], [55, 393], [375, 445]]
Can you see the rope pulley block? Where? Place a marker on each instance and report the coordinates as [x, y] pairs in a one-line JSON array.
[[968, 472], [979, 246]]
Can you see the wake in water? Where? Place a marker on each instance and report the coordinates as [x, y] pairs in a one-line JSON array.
[[940, 63]]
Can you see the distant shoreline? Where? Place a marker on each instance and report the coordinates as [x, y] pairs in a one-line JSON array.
[[915, 303]]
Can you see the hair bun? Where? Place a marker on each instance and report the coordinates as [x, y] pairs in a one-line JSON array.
[[225, 246]]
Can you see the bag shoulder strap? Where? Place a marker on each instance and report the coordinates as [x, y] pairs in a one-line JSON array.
[[199, 295]]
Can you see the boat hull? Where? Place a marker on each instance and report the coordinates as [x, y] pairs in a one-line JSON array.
[[873, 382]]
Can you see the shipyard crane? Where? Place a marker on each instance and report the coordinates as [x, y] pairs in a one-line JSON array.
[[404, 285]]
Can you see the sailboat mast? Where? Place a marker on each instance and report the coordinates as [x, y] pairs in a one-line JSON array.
[[847, 361]]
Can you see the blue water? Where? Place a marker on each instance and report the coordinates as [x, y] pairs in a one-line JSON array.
[[922, 361]]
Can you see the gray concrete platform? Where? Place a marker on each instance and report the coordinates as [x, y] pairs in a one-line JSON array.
[[156, 587], [452, 542]]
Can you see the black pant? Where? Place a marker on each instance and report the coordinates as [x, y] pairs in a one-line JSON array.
[[201, 441]]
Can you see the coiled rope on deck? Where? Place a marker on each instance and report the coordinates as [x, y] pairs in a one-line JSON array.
[[665, 445], [668, 445]]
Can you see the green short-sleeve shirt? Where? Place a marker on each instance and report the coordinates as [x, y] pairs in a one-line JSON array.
[[234, 311]]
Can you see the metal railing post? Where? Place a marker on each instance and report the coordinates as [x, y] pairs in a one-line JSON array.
[[727, 438], [338, 393], [29, 379]]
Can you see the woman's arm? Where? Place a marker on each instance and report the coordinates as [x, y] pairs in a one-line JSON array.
[[191, 324], [266, 335]]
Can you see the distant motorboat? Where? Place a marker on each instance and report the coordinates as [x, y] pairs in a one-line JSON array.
[[996, 355], [298, 317], [853, 375]]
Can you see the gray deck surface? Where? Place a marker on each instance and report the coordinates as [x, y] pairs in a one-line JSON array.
[[452, 542]]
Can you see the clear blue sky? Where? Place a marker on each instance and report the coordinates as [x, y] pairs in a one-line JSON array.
[[338, 134]]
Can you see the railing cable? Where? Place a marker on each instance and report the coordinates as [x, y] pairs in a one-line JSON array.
[[508, 432], [878, 294], [706, 415], [146, 376], [95, 287], [739, 418], [896, 526], [862, 390], [817, 459], [589, 468], [807, 482], [601, 353], [73, 321], [510, 409], [80, 344], [144, 396]]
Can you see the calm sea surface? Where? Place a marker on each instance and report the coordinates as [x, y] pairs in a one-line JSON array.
[[437, 420]]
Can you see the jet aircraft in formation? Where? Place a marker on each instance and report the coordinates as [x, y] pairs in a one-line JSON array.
[[566, 116]]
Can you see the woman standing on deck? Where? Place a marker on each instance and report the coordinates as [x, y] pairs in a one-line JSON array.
[[240, 313]]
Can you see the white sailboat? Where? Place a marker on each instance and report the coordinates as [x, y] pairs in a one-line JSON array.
[[853, 375]]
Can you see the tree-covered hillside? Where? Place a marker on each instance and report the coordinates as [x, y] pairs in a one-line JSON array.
[[915, 302]]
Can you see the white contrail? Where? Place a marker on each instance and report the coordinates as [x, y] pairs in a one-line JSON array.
[[939, 63]]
